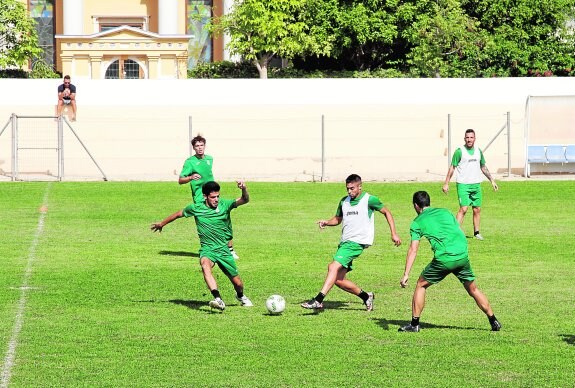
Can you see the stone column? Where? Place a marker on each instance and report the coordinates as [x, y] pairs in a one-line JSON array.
[[153, 66], [167, 17], [67, 65], [96, 64], [182, 66], [73, 17]]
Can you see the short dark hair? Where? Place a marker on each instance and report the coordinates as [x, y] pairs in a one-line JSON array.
[[470, 131], [66, 77], [421, 199], [352, 178], [210, 187], [197, 139]]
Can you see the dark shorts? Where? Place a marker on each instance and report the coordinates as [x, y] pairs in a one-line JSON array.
[[436, 271]]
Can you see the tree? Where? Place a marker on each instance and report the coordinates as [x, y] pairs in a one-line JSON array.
[[448, 38], [446, 42], [363, 33], [528, 35], [260, 30], [18, 36]]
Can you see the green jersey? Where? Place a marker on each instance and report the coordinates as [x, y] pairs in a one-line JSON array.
[[201, 166], [440, 227], [214, 225]]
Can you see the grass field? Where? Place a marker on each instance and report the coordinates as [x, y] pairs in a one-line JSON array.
[[90, 297]]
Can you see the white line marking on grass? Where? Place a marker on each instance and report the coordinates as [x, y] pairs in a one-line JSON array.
[[24, 288]]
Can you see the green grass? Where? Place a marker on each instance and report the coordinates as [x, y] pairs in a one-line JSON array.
[[111, 304]]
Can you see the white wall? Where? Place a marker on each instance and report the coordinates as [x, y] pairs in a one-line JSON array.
[[383, 129]]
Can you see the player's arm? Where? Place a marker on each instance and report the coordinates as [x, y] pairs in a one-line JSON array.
[[245, 198], [450, 171], [454, 163], [409, 260], [333, 221], [390, 221], [158, 226], [60, 94], [187, 175], [187, 179], [486, 172]]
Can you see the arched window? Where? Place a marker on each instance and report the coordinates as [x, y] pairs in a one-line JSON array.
[[124, 69]]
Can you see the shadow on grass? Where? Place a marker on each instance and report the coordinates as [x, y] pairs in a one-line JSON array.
[[391, 324], [200, 305], [179, 253], [569, 338], [329, 305]]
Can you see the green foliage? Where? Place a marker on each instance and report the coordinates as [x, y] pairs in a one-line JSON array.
[[13, 73], [109, 304], [223, 69], [227, 69], [528, 35], [41, 69], [446, 38], [362, 31], [261, 30], [446, 42], [18, 36]]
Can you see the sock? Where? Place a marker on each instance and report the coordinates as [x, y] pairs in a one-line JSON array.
[[231, 248], [492, 318], [414, 321], [320, 297], [363, 295], [240, 294], [216, 293], [476, 233]]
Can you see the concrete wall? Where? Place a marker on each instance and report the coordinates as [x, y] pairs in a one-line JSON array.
[[382, 129]]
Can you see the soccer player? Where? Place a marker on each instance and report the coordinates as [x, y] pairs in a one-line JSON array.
[[470, 163], [196, 171], [213, 220], [356, 212], [450, 255]]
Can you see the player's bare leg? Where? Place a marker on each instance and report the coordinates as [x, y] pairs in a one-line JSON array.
[[335, 271], [482, 303], [461, 214], [207, 266], [480, 298], [417, 305], [418, 301], [476, 222]]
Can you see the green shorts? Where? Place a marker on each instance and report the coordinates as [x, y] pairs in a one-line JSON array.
[[347, 251], [436, 271], [469, 194], [222, 257]]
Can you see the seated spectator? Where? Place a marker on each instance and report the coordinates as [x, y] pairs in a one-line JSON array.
[[67, 96]]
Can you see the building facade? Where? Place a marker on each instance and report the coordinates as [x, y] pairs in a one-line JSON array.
[[127, 39]]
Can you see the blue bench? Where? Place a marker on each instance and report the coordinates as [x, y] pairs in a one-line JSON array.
[[552, 153]]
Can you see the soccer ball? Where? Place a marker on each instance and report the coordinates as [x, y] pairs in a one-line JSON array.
[[276, 304]]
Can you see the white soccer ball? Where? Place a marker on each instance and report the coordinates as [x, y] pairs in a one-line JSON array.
[[276, 304]]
